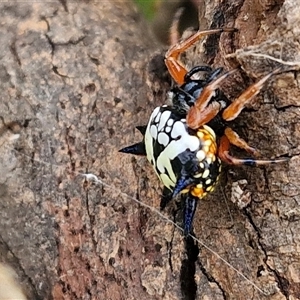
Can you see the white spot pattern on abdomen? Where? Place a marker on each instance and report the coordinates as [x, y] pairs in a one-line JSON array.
[[179, 142]]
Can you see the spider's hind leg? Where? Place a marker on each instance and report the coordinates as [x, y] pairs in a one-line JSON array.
[[190, 205], [237, 141], [224, 155]]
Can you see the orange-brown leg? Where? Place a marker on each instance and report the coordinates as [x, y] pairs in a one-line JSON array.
[[223, 153], [200, 113], [196, 118], [234, 109], [236, 140], [175, 67]]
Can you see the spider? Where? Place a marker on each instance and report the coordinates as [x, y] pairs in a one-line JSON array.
[[186, 142]]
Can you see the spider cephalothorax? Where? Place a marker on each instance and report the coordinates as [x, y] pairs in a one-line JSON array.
[[186, 141]]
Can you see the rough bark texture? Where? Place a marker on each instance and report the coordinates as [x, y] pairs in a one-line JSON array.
[[73, 80]]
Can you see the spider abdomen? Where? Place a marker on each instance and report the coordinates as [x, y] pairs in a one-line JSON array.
[[185, 160]]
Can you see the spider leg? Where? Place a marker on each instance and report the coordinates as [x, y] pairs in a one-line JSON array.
[[200, 113], [212, 74], [236, 140], [181, 184], [224, 155], [190, 205], [175, 67], [196, 118], [197, 69], [234, 109]]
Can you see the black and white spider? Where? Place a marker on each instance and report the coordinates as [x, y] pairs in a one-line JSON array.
[[186, 141]]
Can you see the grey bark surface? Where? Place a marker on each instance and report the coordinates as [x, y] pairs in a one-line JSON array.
[[74, 80]]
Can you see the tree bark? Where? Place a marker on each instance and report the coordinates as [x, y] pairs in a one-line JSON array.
[[74, 84]]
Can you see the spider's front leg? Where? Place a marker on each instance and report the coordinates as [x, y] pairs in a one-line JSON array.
[[235, 108], [202, 112], [176, 69]]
